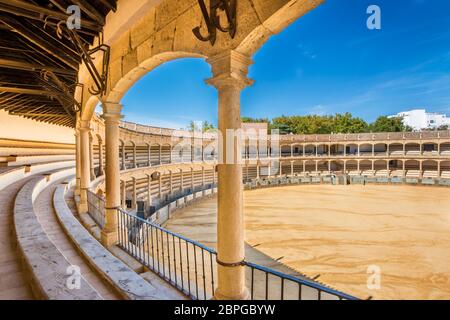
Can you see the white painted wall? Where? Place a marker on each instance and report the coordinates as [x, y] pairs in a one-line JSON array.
[[15, 127]]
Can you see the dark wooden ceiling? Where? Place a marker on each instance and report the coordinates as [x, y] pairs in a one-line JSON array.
[[38, 67]]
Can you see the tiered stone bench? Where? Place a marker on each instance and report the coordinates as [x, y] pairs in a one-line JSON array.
[[128, 283], [47, 270], [9, 175], [18, 160]]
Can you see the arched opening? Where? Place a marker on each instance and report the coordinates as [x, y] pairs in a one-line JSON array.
[[365, 166], [396, 149], [337, 149], [297, 150], [310, 150], [322, 150], [352, 167], [445, 149], [430, 169], [430, 148], [310, 166], [412, 168], [285, 150], [365, 149], [445, 169], [412, 149], [380, 149], [351, 149], [381, 168]]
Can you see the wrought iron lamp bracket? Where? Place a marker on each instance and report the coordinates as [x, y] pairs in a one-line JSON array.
[[212, 19], [100, 78]]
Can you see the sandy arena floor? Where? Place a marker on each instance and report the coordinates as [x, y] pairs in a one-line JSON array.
[[341, 232]]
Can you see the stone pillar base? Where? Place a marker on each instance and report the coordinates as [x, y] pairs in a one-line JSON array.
[[245, 295], [82, 208], [108, 239]]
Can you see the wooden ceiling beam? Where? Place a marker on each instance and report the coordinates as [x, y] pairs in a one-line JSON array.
[[22, 65], [108, 4], [25, 91], [36, 36], [90, 11], [36, 12]]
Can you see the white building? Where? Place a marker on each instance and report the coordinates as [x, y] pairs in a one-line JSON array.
[[420, 119]]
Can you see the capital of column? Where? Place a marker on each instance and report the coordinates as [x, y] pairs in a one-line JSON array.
[[85, 125], [230, 69], [112, 111]]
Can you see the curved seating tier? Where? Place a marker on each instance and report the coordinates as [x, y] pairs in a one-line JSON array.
[[47, 270], [118, 274]]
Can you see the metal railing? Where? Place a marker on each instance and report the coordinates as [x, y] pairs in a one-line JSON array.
[[192, 268], [96, 208]]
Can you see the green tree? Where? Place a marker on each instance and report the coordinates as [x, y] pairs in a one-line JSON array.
[[389, 124], [195, 126]]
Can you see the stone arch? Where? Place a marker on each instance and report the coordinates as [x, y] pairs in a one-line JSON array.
[[285, 150], [146, 35]]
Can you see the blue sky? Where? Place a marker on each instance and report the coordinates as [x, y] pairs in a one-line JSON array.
[[324, 63]]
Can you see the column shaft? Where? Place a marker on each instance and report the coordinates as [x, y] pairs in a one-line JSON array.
[[85, 167], [230, 71], [111, 114]]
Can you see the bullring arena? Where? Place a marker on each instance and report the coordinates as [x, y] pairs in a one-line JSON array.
[[119, 210]]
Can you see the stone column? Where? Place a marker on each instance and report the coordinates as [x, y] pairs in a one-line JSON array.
[[123, 157], [91, 157], [421, 169], [77, 161], [112, 116], [439, 168], [181, 181], [203, 180], [134, 156], [85, 167], [123, 195], [345, 167], [257, 171], [101, 170], [280, 169], [170, 182], [230, 77], [304, 167], [292, 168], [159, 186], [404, 167], [373, 150], [192, 182], [134, 193], [149, 152], [292, 150], [149, 190]]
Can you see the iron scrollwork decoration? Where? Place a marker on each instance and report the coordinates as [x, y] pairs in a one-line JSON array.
[[87, 55], [212, 19]]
